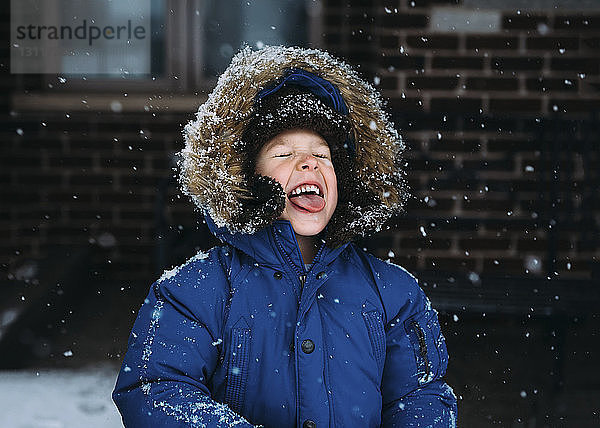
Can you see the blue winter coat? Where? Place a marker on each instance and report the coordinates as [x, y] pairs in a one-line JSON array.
[[242, 336]]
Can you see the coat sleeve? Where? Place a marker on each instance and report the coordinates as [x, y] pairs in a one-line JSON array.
[[414, 393], [417, 397], [172, 351]]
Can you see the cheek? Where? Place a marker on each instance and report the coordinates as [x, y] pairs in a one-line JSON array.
[[270, 169], [333, 190]]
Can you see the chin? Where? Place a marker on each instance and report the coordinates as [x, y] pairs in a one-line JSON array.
[[307, 230], [308, 227]]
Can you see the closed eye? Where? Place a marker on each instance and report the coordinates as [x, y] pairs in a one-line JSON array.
[[320, 156], [282, 155]]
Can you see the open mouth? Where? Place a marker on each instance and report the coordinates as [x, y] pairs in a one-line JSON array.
[[307, 197]]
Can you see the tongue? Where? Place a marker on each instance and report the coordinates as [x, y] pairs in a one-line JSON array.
[[311, 203]]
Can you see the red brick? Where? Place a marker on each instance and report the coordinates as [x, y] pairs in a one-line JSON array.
[[431, 244], [429, 3], [581, 65], [492, 84], [510, 145], [403, 62], [453, 183], [135, 198], [142, 180], [36, 142], [332, 38], [548, 84], [592, 43], [388, 82], [429, 165], [519, 104], [487, 205], [434, 203], [573, 106], [361, 57], [542, 244], [489, 165], [38, 178], [592, 87], [523, 22], [482, 244], [422, 82], [552, 43], [503, 265], [451, 146], [408, 104], [401, 21], [492, 42], [517, 63], [360, 19], [432, 42], [389, 42], [451, 264], [357, 4], [137, 215], [457, 62], [360, 38], [333, 19], [87, 213], [80, 162], [16, 196], [455, 104], [577, 22]]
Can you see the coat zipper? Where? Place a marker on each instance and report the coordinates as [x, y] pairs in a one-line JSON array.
[[302, 279], [422, 345], [300, 274]]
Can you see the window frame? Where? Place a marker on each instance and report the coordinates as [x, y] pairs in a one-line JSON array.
[[184, 41]]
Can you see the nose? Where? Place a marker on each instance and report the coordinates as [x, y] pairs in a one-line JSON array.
[[307, 162]]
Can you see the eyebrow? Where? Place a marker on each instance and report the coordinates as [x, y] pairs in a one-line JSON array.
[[276, 142]]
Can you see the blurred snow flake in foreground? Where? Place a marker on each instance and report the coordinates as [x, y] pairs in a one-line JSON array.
[[474, 278], [533, 264]]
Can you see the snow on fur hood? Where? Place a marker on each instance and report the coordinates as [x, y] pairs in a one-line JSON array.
[[211, 167]]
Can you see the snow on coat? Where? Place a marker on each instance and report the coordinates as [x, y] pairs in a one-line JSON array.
[[243, 335], [353, 344]]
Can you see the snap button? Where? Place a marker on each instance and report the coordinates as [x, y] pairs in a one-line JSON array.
[[309, 424], [307, 346], [277, 275], [320, 275]]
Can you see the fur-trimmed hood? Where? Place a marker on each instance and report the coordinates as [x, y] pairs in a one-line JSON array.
[[212, 162]]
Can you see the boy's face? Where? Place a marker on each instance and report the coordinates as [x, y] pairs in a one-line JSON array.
[[300, 161]]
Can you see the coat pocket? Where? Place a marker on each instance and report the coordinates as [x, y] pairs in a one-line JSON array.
[[375, 327], [237, 369], [427, 343]]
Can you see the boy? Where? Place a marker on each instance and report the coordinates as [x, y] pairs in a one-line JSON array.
[[288, 323]]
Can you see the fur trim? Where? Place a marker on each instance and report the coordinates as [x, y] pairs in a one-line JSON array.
[[213, 160]]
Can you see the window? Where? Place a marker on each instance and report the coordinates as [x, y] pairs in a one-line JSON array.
[[192, 41]]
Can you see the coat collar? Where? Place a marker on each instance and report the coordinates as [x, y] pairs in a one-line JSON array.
[[274, 245]]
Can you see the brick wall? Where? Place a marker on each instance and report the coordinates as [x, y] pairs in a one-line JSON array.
[[503, 159], [502, 129]]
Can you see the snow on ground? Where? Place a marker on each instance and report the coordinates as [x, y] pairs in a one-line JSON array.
[[59, 398]]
